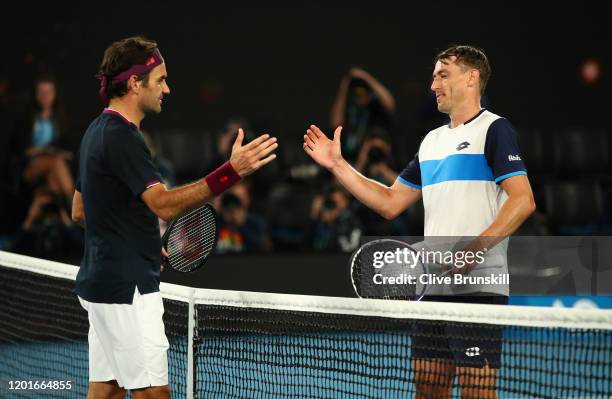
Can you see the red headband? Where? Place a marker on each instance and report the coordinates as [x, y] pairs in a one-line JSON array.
[[138, 69]]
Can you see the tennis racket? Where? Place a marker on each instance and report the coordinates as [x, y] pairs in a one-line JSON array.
[[190, 239], [397, 278]]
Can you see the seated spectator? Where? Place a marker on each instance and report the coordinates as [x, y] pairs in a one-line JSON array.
[[39, 141], [362, 104], [47, 231], [239, 229], [334, 226]]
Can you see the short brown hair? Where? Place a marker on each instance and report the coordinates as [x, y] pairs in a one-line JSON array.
[[120, 56], [472, 57]]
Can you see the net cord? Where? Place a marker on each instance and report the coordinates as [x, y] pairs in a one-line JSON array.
[[29, 264], [531, 316], [508, 315]]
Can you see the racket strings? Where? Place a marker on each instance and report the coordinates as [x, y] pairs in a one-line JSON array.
[[190, 232], [184, 246], [183, 238], [192, 239], [181, 263]]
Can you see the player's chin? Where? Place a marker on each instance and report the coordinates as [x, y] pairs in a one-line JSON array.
[[155, 108], [442, 108]]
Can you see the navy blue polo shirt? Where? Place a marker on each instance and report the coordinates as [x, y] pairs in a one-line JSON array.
[[122, 240]]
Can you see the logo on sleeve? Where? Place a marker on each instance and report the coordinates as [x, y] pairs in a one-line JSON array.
[[463, 146], [514, 158]]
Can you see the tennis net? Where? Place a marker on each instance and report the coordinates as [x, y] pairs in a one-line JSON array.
[[231, 344]]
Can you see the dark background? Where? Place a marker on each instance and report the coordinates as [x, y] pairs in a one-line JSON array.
[[279, 64]]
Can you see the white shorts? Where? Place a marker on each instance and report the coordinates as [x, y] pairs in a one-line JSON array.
[[127, 343]]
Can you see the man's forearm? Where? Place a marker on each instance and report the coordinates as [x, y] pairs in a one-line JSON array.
[[388, 174], [510, 217], [78, 212], [371, 193], [177, 201]]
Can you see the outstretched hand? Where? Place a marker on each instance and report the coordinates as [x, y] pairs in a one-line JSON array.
[[252, 156], [324, 151]]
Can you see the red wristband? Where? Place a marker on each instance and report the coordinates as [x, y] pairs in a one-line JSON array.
[[222, 178]]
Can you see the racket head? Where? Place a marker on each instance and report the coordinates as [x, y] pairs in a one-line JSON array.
[[190, 239], [363, 273]]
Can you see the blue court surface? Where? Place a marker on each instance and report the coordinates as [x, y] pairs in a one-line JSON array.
[[335, 365]]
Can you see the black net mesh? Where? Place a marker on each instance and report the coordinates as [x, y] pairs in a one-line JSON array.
[[175, 322], [263, 353], [43, 336], [248, 351], [43, 333]]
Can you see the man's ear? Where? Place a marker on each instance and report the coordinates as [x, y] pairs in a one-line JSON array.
[[473, 77], [134, 84]]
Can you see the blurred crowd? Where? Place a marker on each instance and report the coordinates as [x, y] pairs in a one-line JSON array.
[[291, 205], [39, 166]]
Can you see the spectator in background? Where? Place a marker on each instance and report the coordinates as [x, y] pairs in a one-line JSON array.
[[362, 104], [240, 229], [375, 159], [260, 183], [334, 225], [39, 141], [47, 231], [226, 138]]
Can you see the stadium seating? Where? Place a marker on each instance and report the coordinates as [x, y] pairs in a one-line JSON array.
[[575, 205]]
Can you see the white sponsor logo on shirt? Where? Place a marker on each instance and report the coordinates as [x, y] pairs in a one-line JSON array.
[[514, 158]]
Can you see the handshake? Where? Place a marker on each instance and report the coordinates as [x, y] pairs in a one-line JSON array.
[[246, 159]]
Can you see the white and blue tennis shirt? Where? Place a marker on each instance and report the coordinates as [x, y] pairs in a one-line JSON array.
[[459, 171]]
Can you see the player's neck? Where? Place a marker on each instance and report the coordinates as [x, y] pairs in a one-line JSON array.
[[464, 113], [127, 109]]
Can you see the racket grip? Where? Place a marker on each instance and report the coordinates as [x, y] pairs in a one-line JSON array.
[[222, 178]]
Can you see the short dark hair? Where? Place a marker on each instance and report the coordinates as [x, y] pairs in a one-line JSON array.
[[472, 57], [120, 56]]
